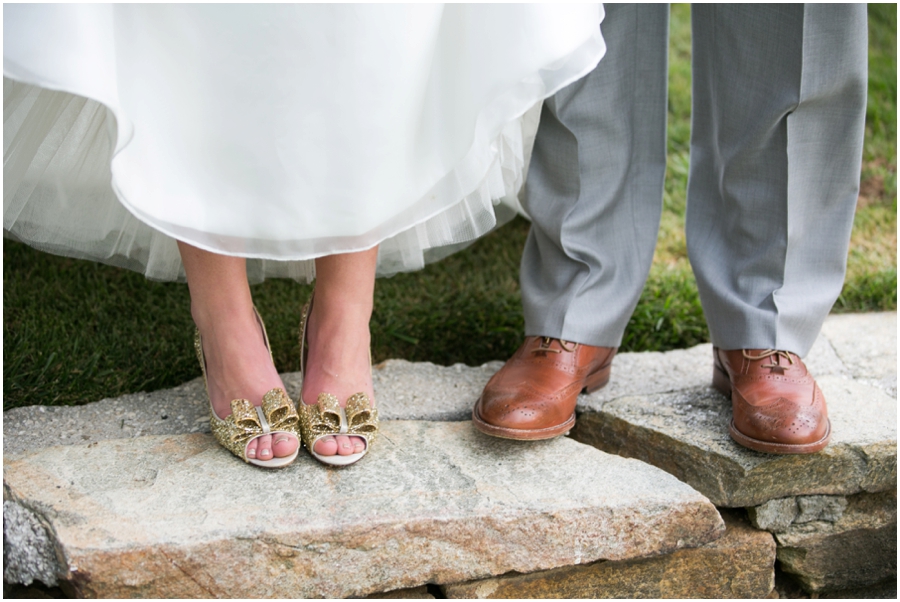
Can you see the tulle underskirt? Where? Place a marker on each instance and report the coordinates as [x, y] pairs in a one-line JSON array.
[[90, 172]]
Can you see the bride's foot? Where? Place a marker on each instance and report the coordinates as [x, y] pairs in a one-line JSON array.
[[338, 362], [238, 366]]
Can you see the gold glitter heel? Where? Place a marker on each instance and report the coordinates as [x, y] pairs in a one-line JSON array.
[[247, 422], [327, 417]]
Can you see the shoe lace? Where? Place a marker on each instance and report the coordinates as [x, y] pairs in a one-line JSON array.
[[545, 346], [775, 354]]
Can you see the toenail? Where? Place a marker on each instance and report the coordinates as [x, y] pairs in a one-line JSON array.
[[251, 453], [280, 440]]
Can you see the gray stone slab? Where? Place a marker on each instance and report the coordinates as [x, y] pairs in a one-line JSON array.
[[686, 434], [180, 410], [822, 360], [425, 391], [865, 343], [177, 516], [403, 390], [651, 373]]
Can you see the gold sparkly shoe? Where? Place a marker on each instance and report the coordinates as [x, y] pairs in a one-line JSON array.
[[247, 422], [328, 418]]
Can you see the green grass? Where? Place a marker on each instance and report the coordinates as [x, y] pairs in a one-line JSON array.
[[871, 282], [76, 331]]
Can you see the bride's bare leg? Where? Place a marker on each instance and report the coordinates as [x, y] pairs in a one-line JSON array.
[[338, 337], [238, 365]]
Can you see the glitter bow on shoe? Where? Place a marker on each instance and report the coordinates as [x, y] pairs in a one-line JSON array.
[[246, 422], [327, 417]]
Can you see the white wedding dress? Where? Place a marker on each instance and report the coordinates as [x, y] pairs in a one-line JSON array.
[[278, 133]]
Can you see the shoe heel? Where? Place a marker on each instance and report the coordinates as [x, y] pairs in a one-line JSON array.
[[598, 379], [721, 381]]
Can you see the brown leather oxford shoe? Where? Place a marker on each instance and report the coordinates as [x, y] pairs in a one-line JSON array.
[[778, 407], [533, 395]]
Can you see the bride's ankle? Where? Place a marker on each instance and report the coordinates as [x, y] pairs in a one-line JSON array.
[[342, 306], [208, 317]]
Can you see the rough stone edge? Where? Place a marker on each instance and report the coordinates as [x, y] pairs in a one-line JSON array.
[[831, 582], [29, 551], [489, 585], [68, 571], [592, 427], [172, 572]]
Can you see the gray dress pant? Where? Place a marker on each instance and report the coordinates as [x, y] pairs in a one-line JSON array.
[[779, 97]]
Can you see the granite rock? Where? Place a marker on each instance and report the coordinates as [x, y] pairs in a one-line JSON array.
[[777, 516], [651, 373], [865, 343], [425, 391], [857, 549], [28, 551], [844, 560], [179, 410], [823, 360], [177, 516], [827, 508], [686, 434], [658, 407], [739, 565]]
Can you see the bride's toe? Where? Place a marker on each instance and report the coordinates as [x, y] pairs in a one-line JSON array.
[[264, 447], [284, 445], [344, 447], [326, 446]]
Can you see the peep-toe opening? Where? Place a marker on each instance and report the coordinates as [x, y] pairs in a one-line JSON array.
[[273, 462]]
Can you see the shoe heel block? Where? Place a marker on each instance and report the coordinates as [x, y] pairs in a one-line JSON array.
[[598, 379], [720, 380]]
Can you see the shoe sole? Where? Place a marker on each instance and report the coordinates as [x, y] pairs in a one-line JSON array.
[[593, 382], [281, 462], [521, 434], [337, 460], [723, 384]]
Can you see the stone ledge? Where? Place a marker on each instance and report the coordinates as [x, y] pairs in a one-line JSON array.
[[658, 403], [834, 543], [840, 561], [176, 516], [818, 514], [739, 565], [686, 434]]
